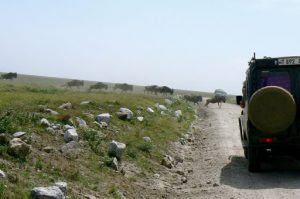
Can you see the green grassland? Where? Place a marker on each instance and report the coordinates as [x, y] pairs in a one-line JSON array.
[[19, 102]]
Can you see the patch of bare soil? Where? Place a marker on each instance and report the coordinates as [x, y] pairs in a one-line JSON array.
[[212, 165]]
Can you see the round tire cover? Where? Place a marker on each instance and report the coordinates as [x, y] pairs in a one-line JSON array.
[[272, 109]]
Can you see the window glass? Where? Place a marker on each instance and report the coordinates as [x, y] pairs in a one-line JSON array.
[[281, 79]]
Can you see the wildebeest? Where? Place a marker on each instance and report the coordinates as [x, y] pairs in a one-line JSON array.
[[218, 100], [9, 76], [98, 85], [193, 98], [123, 87], [75, 82], [151, 89], [166, 90]]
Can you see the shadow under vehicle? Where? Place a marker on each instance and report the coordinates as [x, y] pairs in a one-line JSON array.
[[270, 120]]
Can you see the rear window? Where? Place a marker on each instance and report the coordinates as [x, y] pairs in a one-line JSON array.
[[281, 79]]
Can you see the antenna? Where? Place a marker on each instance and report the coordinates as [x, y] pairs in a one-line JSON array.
[[254, 55]]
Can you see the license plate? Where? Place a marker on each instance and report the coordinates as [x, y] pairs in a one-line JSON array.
[[289, 61]]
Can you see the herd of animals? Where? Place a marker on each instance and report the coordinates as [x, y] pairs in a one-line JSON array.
[[219, 95]]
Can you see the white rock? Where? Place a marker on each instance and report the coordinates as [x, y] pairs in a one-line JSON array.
[[18, 148], [62, 186], [126, 112], [156, 175], [140, 118], [67, 127], [116, 149], [168, 102], [81, 123], [104, 117], [115, 164], [71, 135], [85, 103], [52, 112], [178, 114], [52, 192], [2, 174], [150, 110], [45, 122], [147, 139], [67, 105], [162, 107], [19, 134], [50, 130]]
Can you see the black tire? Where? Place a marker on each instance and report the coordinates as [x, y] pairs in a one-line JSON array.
[[254, 160]]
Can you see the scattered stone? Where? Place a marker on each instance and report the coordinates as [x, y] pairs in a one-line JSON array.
[[179, 158], [89, 115], [162, 107], [184, 180], [89, 197], [84, 103], [67, 127], [104, 117], [67, 105], [208, 182], [115, 164], [81, 123], [150, 110], [125, 113], [69, 147], [42, 107], [48, 149], [18, 148], [168, 102], [44, 122], [52, 192], [190, 171], [19, 134], [180, 171], [116, 149], [178, 114], [103, 125], [147, 139], [2, 174], [50, 130], [140, 118], [52, 112], [62, 186], [156, 175], [216, 185], [182, 141], [71, 135], [167, 161]]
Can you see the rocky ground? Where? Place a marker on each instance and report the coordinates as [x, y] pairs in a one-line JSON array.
[[211, 164]]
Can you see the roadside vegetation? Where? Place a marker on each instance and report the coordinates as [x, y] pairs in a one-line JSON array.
[[86, 170]]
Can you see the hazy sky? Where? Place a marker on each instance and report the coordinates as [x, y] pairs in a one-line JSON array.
[[185, 44]]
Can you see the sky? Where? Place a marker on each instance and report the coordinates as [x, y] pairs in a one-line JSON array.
[[196, 45]]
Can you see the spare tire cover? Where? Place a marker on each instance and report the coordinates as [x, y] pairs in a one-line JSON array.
[[272, 109]]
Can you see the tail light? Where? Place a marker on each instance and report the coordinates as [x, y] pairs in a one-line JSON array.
[[267, 140]]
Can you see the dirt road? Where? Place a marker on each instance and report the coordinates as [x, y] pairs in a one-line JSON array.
[[219, 169], [215, 167]]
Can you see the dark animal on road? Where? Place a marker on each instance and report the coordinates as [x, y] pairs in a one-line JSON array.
[[99, 86], [123, 87], [193, 98], [77, 83], [9, 76], [218, 100]]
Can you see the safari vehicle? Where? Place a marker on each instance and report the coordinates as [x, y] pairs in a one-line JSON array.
[[269, 122]]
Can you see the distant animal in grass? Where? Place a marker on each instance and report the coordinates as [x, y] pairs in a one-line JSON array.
[[193, 98], [74, 83], [9, 76], [123, 87], [98, 86], [214, 100], [166, 90], [154, 89]]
